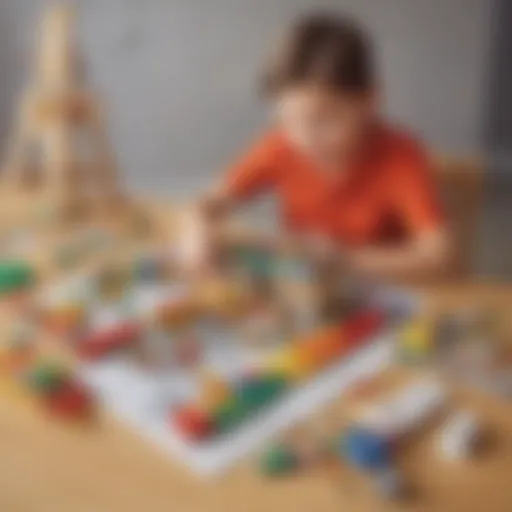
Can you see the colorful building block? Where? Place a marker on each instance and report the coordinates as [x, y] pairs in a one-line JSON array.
[[214, 392], [416, 341], [72, 400], [291, 363], [99, 344], [278, 460], [361, 326], [229, 415], [15, 275], [257, 391], [47, 377], [65, 317], [192, 422], [323, 348], [365, 449]]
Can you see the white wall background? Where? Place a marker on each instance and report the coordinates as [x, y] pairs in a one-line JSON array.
[[180, 76]]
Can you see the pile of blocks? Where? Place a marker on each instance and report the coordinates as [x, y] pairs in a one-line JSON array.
[[236, 401]]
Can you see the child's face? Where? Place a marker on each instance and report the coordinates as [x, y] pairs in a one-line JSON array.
[[328, 126]]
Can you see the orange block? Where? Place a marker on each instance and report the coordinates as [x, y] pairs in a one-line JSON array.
[[65, 319], [323, 348]]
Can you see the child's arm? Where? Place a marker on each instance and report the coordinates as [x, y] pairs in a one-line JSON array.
[[254, 173], [426, 251], [427, 255]]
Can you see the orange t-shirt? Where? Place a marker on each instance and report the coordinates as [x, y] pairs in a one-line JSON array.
[[388, 195]]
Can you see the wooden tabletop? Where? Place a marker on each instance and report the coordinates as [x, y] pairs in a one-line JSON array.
[[48, 467]]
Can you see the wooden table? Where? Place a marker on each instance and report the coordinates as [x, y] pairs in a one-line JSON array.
[[47, 467]]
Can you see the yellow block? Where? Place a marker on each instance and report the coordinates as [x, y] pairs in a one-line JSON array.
[[417, 337], [291, 363], [214, 391]]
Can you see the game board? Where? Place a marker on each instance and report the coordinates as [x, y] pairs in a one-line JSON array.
[[145, 401]]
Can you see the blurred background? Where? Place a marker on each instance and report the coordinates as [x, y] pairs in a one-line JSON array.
[[179, 80]]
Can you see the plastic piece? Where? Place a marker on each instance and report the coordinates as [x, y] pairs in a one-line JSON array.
[[72, 400], [361, 326], [15, 275], [229, 415], [99, 344], [365, 450], [404, 411], [278, 460], [291, 364], [193, 423], [47, 378], [214, 392], [256, 392], [323, 349], [65, 318], [460, 436]]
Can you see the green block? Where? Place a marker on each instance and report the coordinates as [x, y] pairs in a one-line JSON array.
[[229, 415], [47, 377], [260, 391], [278, 460], [15, 275]]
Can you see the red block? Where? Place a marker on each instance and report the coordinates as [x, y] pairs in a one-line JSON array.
[[102, 343], [192, 423], [71, 401], [361, 326]]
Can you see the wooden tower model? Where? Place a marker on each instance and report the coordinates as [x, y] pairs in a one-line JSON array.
[[59, 148]]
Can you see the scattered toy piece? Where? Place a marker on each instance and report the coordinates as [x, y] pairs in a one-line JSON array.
[[99, 344], [404, 411], [193, 423], [460, 436], [15, 275], [279, 460], [365, 449]]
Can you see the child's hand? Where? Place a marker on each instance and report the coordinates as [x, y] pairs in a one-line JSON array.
[[197, 240], [193, 244]]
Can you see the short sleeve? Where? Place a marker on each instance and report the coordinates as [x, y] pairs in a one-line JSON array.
[[257, 171], [414, 191]]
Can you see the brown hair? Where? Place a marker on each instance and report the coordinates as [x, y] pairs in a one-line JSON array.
[[326, 49]]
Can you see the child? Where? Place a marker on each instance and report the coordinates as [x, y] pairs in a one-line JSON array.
[[341, 173]]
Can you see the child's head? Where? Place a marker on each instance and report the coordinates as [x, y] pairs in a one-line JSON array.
[[322, 80]]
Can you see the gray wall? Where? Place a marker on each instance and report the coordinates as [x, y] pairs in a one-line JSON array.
[[498, 112], [179, 76]]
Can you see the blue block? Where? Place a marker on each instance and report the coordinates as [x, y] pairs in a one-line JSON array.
[[365, 449]]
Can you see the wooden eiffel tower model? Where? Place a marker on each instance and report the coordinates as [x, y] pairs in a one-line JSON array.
[[59, 149]]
